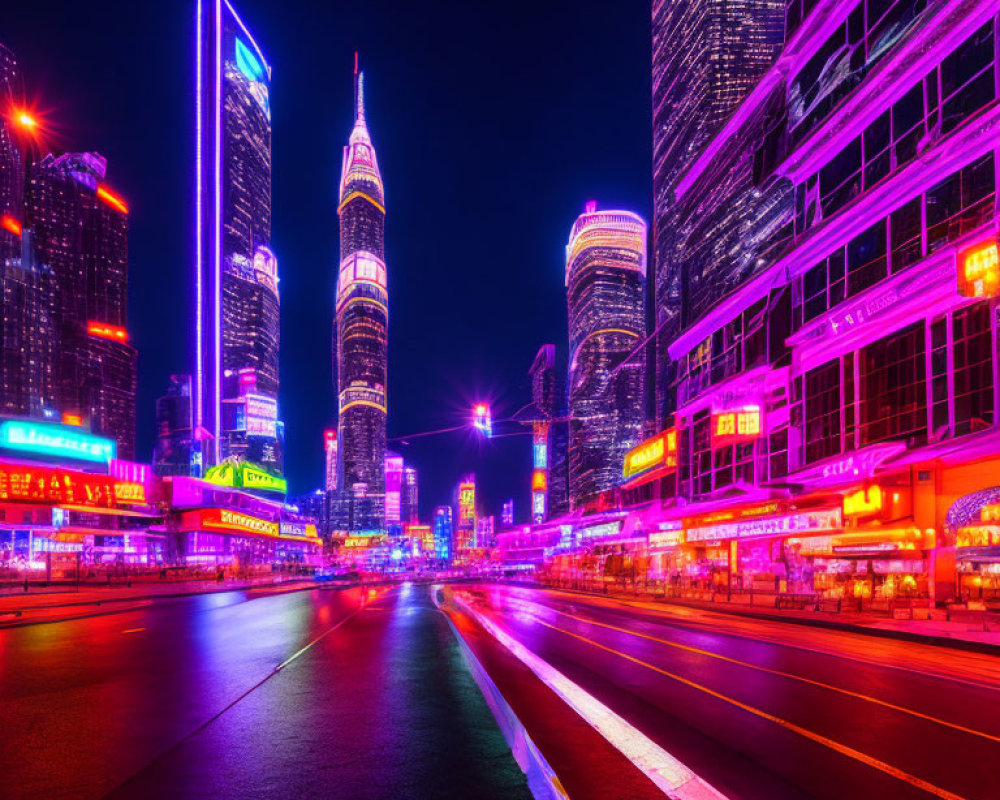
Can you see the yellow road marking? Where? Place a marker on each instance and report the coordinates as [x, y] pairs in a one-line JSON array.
[[790, 675], [843, 749]]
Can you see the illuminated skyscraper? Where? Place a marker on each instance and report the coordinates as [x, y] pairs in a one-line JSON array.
[[362, 328], [79, 230], [236, 381], [443, 534], [707, 55], [410, 511], [605, 280]]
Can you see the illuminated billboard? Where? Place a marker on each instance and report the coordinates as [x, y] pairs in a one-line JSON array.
[[55, 440], [737, 425], [393, 487], [242, 474], [658, 451], [979, 271], [466, 503], [261, 416], [22, 483]]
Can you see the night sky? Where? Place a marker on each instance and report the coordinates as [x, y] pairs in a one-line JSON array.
[[494, 122]]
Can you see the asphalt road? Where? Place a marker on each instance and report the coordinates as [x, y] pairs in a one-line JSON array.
[[770, 710], [327, 693]]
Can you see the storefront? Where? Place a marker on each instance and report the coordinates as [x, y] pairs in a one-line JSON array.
[[978, 558]]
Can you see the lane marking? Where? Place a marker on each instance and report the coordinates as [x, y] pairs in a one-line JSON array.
[[780, 673], [668, 774], [133, 630], [843, 749], [673, 617]]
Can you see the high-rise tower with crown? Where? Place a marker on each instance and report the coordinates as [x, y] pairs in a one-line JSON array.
[[362, 329]]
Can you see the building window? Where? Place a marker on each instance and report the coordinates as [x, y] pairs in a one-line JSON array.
[[822, 412], [893, 388], [960, 203], [777, 446], [967, 82], [866, 261]]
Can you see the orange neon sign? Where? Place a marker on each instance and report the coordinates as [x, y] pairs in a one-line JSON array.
[[660, 449], [979, 271], [104, 331], [538, 480], [864, 501], [743, 423], [990, 513], [111, 199]]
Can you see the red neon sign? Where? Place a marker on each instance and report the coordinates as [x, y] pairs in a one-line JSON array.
[[104, 331], [111, 199], [739, 425], [8, 223]]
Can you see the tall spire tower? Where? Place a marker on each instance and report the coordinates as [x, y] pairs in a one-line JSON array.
[[362, 328]]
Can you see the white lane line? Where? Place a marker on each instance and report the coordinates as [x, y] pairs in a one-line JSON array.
[[669, 775]]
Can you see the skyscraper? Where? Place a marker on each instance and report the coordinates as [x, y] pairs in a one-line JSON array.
[[550, 489], [236, 367], [79, 229], [362, 328], [707, 55], [605, 280], [443, 534], [410, 510], [27, 348]]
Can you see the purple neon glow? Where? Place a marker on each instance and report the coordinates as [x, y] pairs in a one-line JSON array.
[[961, 147], [217, 229]]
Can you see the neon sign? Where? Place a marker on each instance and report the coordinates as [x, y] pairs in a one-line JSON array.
[[235, 521], [538, 480], [111, 199], [236, 474], [104, 331], [540, 459], [661, 449], [979, 271], [739, 425], [130, 492], [990, 513], [261, 415], [26, 484], [863, 501], [55, 440], [466, 502], [824, 520]]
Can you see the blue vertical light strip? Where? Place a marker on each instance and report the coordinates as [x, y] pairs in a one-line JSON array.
[[199, 233]]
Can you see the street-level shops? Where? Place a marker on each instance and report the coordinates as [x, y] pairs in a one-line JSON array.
[[66, 502], [209, 525]]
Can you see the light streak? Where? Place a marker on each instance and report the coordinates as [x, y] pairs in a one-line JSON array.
[[665, 771], [843, 749], [779, 673]]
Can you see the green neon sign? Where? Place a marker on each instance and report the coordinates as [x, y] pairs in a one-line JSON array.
[[243, 474], [55, 440]]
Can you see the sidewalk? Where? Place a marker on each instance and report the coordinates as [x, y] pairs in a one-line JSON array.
[[974, 631], [53, 606]]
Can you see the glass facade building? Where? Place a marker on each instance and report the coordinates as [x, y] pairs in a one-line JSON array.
[[362, 330], [79, 242], [235, 390], [707, 56], [836, 378], [605, 283]]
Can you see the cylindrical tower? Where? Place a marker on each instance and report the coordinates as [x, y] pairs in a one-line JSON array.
[[362, 329], [605, 281]]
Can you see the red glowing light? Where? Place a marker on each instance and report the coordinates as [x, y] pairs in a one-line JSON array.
[[8, 223], [111, 199], [104, 331], [740, 425], [72, 419], [979, 271], [538, 480]]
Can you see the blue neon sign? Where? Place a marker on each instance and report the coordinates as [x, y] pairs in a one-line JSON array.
[[55, 440]]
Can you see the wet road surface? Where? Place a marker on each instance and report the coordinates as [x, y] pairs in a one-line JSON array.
[[769, 710], [329, 693]]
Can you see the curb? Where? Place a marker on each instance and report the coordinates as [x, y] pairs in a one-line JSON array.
[[829, 624], [542, 780]]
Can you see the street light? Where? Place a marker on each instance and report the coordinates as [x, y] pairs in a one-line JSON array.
[[25, 120], [481, 419]]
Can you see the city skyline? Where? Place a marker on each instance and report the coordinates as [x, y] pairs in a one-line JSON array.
[[463, 367]]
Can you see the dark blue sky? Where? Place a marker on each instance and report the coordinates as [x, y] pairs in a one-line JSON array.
[[493, 121]]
